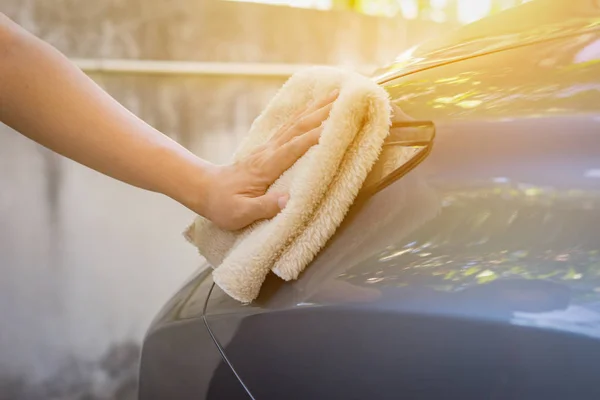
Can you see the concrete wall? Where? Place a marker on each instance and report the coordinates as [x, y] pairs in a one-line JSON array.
[[85, 261], [215, 31]]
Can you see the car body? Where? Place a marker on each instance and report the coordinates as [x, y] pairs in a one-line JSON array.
[[473, 273]]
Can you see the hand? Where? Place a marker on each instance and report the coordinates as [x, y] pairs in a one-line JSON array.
[[88, 126], [237, 196]]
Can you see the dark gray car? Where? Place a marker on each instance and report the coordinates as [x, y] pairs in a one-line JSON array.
[[471, 272]]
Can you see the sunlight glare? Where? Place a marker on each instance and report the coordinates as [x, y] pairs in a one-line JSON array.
[[472, 10], [410, 9]]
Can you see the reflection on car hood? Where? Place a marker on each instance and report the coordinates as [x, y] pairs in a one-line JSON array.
[[532, 22]]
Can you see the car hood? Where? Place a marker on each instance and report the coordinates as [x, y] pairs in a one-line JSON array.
[[529, 23]]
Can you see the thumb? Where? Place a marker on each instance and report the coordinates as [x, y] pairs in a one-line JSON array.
[[269, 205]]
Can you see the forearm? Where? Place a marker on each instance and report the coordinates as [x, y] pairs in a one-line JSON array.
[[48, 99]]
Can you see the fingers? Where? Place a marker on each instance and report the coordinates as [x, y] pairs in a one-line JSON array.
[[290, 152], [269, 205], [306, 124], [330, 98], [308, 120], [273, 159], [297, 115], [266, 206]]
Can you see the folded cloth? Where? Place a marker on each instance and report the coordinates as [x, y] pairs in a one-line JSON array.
[[322, 184]]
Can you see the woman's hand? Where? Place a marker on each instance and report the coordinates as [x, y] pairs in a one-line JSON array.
[[74, 117], [234, 195]]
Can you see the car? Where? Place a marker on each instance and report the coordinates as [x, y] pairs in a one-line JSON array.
[[470, 272]]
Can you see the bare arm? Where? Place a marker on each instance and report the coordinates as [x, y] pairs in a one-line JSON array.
[[48, 99]]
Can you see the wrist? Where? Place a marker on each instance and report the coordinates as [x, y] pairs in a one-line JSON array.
[[192, 187], [197, 191]]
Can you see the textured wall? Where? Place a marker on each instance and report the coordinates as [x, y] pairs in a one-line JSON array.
[[215, 31]]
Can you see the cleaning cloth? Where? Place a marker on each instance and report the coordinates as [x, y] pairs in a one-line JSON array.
[[322, 184]]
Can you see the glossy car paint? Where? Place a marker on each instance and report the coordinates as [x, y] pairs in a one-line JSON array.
[[179, 356], [475, 275], [533, 22]]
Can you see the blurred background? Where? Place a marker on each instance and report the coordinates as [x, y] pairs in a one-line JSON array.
[[86, 262]]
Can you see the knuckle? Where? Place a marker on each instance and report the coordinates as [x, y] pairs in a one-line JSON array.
[[295, 143], [302, 124], [298, 147], [285, 156], [259, 176], [258, 163]]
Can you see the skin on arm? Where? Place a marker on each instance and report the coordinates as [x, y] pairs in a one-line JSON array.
[[48, 99]]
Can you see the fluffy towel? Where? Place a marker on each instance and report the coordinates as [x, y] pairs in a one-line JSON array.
[[322, 184]]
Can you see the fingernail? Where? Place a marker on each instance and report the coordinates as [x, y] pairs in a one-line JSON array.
[[282, 201], [334, 92]]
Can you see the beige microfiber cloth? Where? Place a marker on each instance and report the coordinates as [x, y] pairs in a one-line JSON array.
[[322, 184]]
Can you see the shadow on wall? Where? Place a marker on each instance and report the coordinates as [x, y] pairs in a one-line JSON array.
[[113, 376]]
